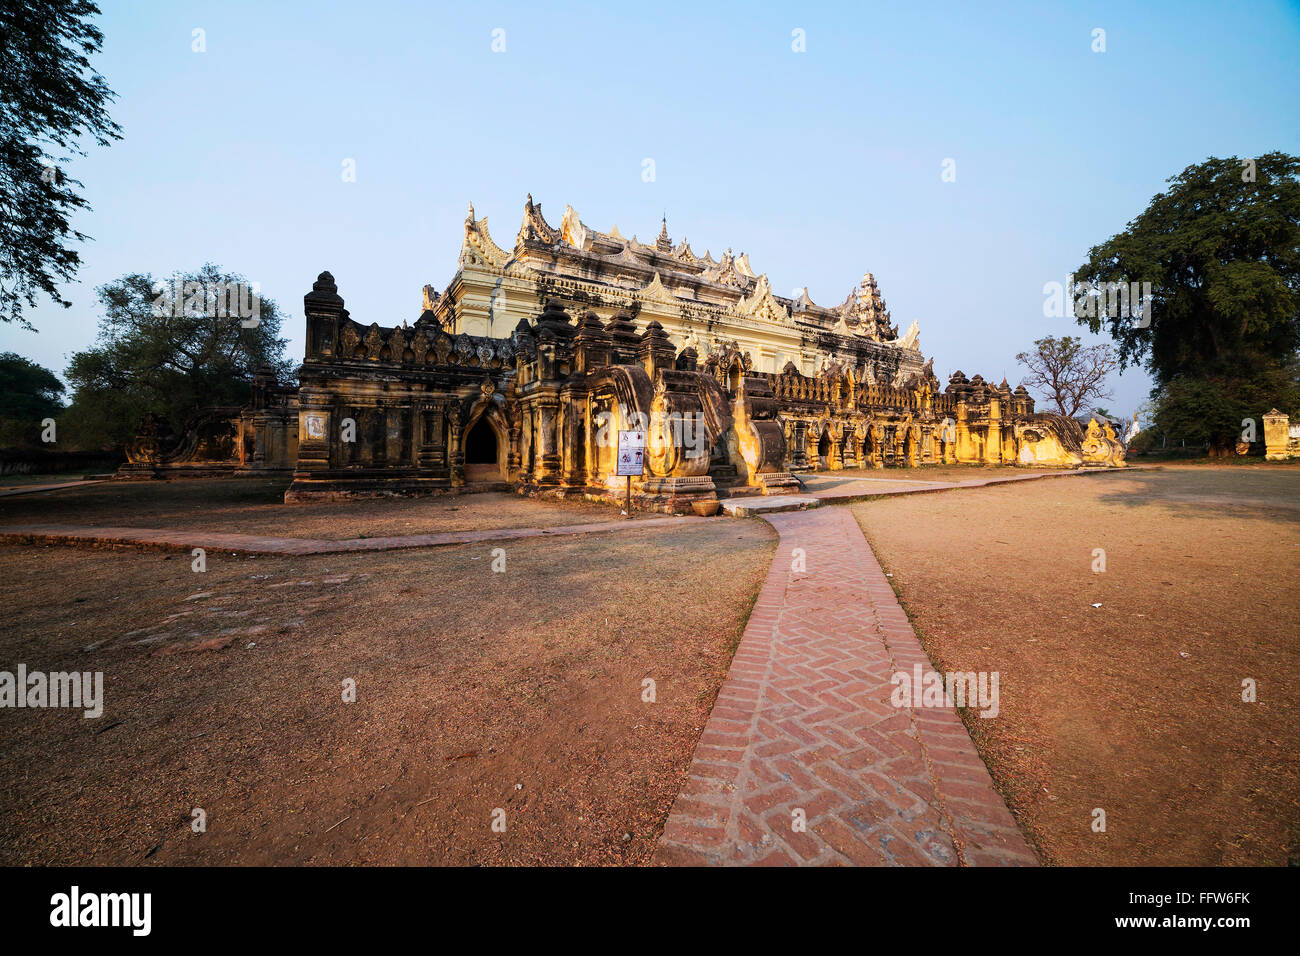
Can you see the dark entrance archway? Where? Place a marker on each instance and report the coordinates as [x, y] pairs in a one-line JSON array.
[[824, 449], [482, 453]]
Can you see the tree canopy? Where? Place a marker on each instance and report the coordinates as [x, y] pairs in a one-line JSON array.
[[28, 392], [170, 354], [50, 98], [1221, 249]]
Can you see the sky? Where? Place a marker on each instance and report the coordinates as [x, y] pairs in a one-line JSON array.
[[821, 164]]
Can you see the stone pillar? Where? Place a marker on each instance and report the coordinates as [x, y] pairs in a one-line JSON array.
[[1277, 436], [514, 456], [800, 444], [260, 436], [574, 402], [432, 447], [993, 441], [964, 450], [849, 457], [591, 344], [315, 433], [548, 450], [455, 453], [655, 351], [325, 316]]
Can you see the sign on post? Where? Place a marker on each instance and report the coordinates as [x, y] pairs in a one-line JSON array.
[[631, 453], [631, 460]]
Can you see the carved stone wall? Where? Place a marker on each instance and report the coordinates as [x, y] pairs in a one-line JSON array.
[[415, 409]]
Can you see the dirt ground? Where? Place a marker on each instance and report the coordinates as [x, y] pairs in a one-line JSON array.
[[10, 482], [256, 506], [476, 691], [1134, 707], [880, 480]]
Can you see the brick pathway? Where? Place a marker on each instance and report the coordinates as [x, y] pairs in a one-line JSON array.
[[171, 539], [804, 721]]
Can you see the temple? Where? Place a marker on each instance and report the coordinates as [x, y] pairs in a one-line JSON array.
[[521, 372]]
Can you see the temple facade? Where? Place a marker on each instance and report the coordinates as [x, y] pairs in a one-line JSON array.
[[521, 373], [701, 303]]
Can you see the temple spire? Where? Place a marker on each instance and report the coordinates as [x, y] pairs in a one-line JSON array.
[[663, 243]]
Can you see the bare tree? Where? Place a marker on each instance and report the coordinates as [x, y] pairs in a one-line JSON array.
[[1069, 373]]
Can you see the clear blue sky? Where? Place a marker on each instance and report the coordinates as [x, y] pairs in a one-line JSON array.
[[821, 165]]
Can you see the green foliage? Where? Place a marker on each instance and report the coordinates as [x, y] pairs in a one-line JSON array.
[[1210, 410], [50, 98], [1144, 442], [29, 394], [1221, 248], [28, 391], [171, 358]]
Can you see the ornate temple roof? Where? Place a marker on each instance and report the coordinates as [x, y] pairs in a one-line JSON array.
[[669, 272]]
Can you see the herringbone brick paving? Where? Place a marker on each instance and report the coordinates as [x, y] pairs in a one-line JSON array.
[[804, 722]]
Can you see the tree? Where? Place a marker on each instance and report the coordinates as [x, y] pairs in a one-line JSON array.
[[171, 354], [1221, 249], [1214, 410], [50, 98], [29, 394], [28, 391], [1069, 373]]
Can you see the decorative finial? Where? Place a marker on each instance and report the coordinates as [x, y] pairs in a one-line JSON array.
[[663, 243]]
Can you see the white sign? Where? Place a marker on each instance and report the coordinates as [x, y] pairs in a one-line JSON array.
[[629, 440], [631, 461]]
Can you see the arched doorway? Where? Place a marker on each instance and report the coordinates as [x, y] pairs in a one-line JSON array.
[[823, 450], [482, 453]]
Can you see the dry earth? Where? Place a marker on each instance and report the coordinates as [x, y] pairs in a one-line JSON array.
[[475, 691], [1134, 707], [256, 506]]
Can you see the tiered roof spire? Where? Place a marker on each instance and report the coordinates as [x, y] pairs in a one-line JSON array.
[[663, 243]]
